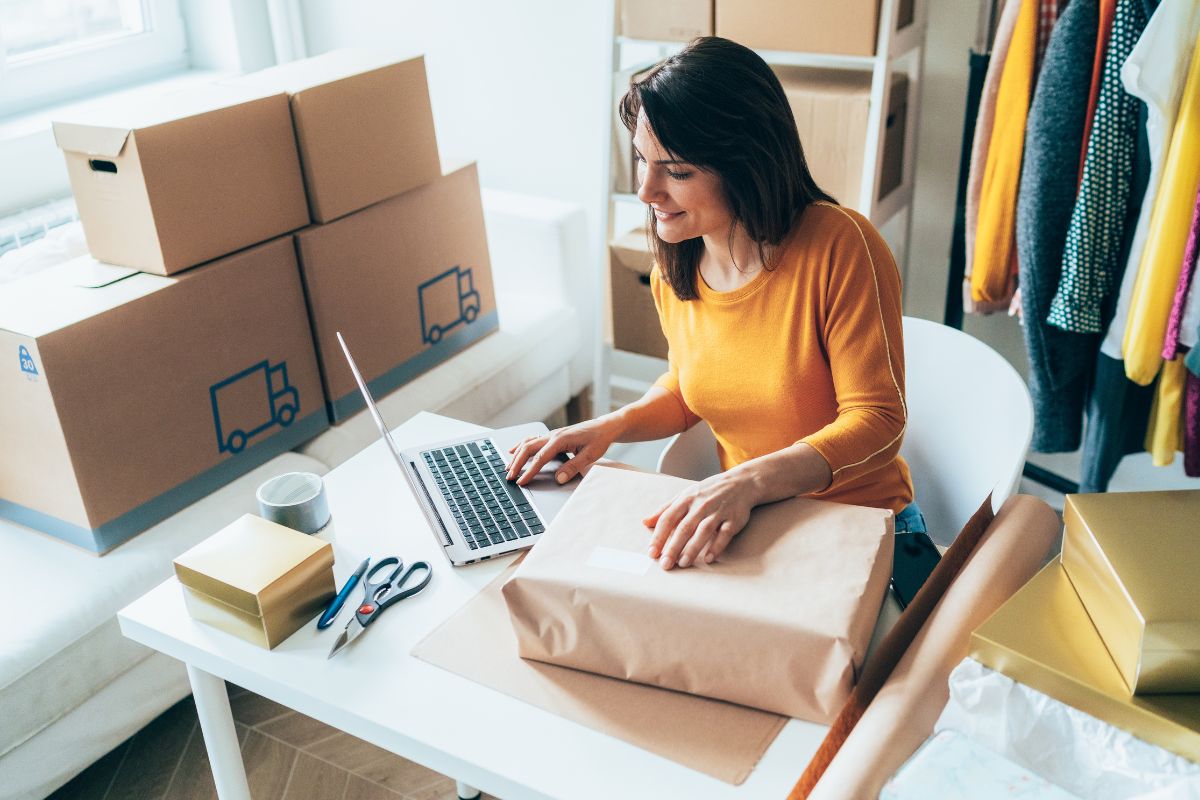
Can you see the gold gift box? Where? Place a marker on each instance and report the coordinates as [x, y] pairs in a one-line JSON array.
[[1042, 637], [257, 580], [1134, 559]]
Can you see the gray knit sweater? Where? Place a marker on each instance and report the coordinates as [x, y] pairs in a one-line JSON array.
[[1059, 362]]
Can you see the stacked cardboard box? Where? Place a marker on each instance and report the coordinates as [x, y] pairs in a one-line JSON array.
[[144, 386], [832, 110], [397, 260], [1116, 616], [850, 27], [634, 318], [135, 394]]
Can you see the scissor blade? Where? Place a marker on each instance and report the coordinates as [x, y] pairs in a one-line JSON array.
[[349, 634]]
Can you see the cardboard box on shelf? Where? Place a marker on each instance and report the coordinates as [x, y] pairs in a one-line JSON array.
[[1043, 638], [634, 318], [850, 27], [257, 580], [832, 110], [407, 281], [194, 175], [1133, 558], [364, 126], [666, 20], [806, 572], [138, 394]]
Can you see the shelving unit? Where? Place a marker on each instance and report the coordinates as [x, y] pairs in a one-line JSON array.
[[903, 51]]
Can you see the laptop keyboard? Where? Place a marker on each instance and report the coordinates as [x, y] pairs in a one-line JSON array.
[[488, 509]]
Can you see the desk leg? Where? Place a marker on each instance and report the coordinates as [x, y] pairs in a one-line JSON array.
[[466, 791], [220, 737]]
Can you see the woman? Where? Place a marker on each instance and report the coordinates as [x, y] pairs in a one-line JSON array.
[[781, 311]]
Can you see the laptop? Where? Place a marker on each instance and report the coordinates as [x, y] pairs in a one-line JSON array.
[[474, 512]]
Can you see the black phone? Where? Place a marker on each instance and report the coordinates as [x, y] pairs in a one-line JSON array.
[[913, 560]]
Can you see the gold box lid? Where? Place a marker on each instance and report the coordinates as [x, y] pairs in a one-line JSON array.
[[1043, 637], [253, 564], [1133, 558]]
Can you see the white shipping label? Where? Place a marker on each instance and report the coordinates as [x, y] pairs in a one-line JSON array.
[[619, 560]]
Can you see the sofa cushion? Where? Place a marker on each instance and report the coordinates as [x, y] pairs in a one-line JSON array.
[[61, 639]]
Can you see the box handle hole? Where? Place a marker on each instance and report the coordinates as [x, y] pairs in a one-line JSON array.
[[100, 165], [645, 279]]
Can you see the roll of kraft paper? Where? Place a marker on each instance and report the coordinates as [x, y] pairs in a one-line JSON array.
[[903, 713]]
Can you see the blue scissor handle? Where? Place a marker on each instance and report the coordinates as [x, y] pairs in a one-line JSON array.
[[378, 595]]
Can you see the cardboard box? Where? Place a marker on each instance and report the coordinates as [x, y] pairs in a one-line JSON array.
[[849, 27], [138, 394], [257, 580], [1042, 637], [1134, 558], [636, 326], [832, 110], [407, 281], [188, 178], [364, 127], [807, 573], [666, 20]]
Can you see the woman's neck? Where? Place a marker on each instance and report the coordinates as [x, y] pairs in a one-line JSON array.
[[729, 262]]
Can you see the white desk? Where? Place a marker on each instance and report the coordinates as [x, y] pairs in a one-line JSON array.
[[378, 692]]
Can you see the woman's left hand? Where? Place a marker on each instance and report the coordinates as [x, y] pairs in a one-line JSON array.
[[699, 522]]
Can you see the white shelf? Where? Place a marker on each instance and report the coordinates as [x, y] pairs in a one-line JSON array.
[[899, 50]]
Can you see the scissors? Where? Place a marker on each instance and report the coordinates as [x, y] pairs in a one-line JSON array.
[[378, 596]]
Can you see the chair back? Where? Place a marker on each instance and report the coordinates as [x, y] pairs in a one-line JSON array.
[[970, 420]]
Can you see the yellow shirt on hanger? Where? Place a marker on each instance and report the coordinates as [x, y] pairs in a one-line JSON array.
[[811, 350], [1170, 220], [1164, 435], [993, 271]]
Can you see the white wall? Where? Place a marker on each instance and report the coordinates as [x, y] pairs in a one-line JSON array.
[[520, 85]]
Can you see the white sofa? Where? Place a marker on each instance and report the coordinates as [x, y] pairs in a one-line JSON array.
[[72, 688]]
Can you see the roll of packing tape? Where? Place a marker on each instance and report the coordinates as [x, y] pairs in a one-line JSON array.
[[295, 499]]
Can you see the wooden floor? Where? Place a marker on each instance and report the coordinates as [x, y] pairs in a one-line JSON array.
[[288, 757]]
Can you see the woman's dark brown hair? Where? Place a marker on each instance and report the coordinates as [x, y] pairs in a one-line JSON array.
[[717, 106]]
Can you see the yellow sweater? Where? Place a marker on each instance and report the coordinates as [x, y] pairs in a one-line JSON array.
[[993, 273], [808, 351]]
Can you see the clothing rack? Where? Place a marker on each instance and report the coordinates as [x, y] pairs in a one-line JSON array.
[[977, 60]]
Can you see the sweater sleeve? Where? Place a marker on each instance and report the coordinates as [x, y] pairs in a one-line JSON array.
[[863, 332], [669, 380]]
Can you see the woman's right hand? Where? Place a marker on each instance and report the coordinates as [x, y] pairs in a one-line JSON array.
[[588, 441]]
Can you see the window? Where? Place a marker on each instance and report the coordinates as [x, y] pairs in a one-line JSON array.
[[52, 51]]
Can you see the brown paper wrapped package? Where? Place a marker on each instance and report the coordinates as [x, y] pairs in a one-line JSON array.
[[780, 622], [903, 713]]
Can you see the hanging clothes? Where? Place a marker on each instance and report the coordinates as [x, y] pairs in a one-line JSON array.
[[981, 141], [1118, 410], [1189, 324], [1154, 73], [1164, 435], [1183, 287], [1191, 426], [1060, 362], [1103, 32], [1047, 15], [1158, 273], [1192, 361], [1097, 220], [993, 273]]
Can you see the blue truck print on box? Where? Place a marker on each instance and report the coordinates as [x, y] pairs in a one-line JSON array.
[[251, 401], [446, 301]]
